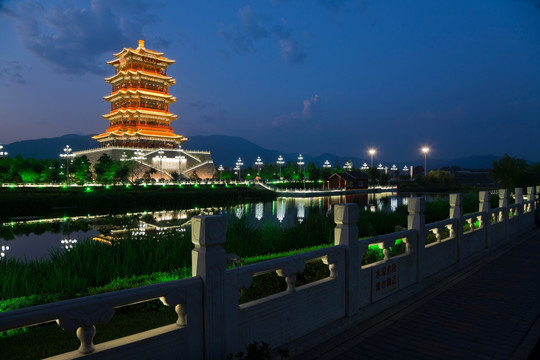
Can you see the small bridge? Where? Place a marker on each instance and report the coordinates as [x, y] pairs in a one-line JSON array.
[[482, 266]]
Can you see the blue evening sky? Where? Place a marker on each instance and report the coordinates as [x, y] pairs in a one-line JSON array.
[[300, 76]]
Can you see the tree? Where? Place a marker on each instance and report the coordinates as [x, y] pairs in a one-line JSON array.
[[510, 172], [81, 170], [104, 169]]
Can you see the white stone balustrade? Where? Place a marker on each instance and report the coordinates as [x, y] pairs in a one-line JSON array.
[[211, 323]]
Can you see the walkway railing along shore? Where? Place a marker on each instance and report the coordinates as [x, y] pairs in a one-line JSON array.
[[211, 322]]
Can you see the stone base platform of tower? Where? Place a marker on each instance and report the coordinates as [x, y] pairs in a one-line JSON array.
[[158, 163]]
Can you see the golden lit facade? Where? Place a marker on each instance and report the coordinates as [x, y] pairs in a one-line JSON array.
[[140, 101]]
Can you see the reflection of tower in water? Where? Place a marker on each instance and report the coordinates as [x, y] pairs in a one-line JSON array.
[[259, 210], [300, 211], [280, 210]]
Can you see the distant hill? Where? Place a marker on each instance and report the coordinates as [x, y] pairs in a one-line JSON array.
[[474, 162], [226, 150], [49, 148]]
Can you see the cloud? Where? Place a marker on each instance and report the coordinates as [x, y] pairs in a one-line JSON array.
[[12, 72], [241, 37], [307, 112], [290, 49], [74, 38], [252, 23]]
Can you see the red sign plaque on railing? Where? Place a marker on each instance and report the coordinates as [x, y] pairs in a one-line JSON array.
[[384, 279]]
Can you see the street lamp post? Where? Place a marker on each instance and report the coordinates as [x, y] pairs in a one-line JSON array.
[[327, 165], [180, 158], [364, 167], [220, 169], [258, 163], [372, 152], [393, 169], [347, 166], [425, 150], [301, 163], [239, 165], [280, 162], [68, 156]]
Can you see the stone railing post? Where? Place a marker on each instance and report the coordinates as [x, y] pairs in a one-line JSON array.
[[208, 258], [531, 206], [456, 212], [536, 207], [417, 221], [484, 206], [519, 200], [503, 203], [346, 233]]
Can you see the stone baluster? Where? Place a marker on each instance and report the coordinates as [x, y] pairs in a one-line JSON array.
[[417, 221], [456, 212], [83, 321], [346, 233], [209, 259], [289, 272], [437, 234], [519, 200]]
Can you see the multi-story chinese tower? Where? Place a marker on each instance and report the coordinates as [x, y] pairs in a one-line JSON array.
[[140, 100], [140, 122]]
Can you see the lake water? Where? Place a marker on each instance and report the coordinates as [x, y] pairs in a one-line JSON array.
[[36, 239]]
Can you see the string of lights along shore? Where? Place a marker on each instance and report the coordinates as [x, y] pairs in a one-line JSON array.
[[347, 166]]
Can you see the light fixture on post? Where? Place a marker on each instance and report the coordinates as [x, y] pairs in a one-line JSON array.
[[181, 158], [347, 166], [2, 153], [68, 155], [371, 153], [364, 167], [220, 169], [327, 165], [300, 163], [425, 150], [280, 162], [239, 165], [258, 163]]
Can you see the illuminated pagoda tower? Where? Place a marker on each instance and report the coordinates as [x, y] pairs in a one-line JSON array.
[[139, 128], [140, 100]]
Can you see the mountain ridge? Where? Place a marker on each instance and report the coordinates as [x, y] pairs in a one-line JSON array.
[[226, 150]]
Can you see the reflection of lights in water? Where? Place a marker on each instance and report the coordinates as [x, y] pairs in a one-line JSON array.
[[141, 230], [68, 244], [280, 210], [393, 204], [4, 249], [239, 212], [372, 208], [405, 201], [259, 209], [301, 212]]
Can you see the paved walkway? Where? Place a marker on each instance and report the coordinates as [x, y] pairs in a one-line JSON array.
[[483, 312]]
